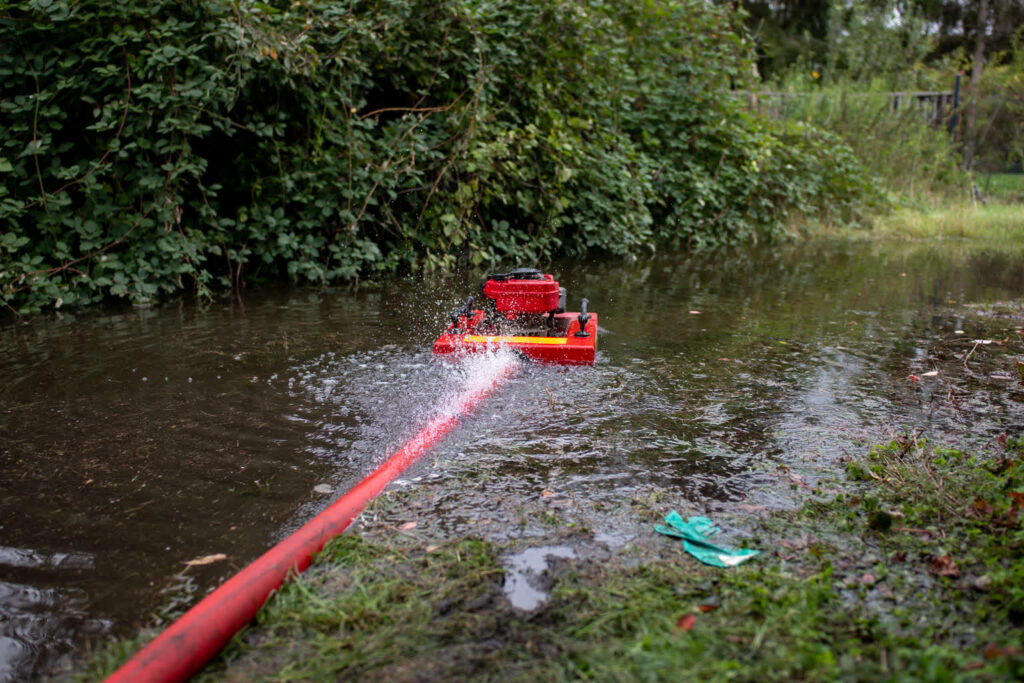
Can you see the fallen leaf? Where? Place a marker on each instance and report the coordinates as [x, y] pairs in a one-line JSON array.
[[914, 378], [433, 548], [206, 559], [945, 566], [707, 608], [867, 579], [750, 508], [686, 622], [407, 526], [724, 360], [694, 312], [993, 651], [930, 374], [547, 493]]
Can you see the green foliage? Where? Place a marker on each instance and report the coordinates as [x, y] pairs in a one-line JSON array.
[[154, 147], [849, 88]]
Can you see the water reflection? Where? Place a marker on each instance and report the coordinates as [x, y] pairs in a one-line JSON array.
[[134, 441]]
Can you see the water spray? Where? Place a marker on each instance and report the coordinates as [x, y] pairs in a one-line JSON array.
[[523, 311]]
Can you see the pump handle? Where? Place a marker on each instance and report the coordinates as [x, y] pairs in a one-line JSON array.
[[466, 311], [583, 319]]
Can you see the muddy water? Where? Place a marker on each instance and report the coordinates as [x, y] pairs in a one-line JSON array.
[[133, 442]]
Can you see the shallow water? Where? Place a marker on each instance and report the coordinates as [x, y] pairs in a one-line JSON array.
[[135, 441]]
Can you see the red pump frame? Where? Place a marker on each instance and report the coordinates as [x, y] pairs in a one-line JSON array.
[[567, 350]]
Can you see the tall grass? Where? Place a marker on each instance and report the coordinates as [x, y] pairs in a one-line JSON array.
[[1003, 223], [848, 89], [916, 160]]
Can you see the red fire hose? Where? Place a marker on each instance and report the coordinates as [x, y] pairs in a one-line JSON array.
[[185, 647]]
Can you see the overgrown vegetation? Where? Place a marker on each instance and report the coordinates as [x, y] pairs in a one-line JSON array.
[[847, 86], [154, 147]]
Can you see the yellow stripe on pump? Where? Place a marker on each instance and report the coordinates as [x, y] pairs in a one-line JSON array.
[[482, 339]]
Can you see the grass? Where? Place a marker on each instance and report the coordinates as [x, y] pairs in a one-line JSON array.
[[914, 572], [989, 221], [1003, 187]]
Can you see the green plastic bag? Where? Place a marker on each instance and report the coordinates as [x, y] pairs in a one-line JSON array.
[[695, 532]]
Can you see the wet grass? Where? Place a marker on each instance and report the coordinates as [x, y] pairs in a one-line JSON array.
[[912, 571]]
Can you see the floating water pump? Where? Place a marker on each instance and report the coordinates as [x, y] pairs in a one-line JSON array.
[[523, 309]]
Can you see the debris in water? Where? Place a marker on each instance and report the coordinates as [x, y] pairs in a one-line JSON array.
[[206, 559], [695, 533]]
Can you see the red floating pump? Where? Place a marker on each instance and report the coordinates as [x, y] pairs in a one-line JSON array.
[[520, 292], [525, 310]]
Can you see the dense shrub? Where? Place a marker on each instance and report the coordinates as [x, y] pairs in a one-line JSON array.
[[153, 146]]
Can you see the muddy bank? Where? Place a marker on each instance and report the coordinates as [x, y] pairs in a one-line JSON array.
[[902, 559]]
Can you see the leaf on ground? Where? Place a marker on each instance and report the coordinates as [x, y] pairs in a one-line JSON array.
[[914, 378], [694, 312], [945, 566], [206, 559], [408, 526], [547, 493], [993, 651], [686, 622], [707, 608], [930, 374]]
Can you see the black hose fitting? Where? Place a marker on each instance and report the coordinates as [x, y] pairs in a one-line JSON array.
[[583, 318]]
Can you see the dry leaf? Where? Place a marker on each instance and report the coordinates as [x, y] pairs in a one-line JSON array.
[[433, 548], [686, 622], [206, 559], [707, 608], [945, 566], [407, 526], [993, 651], [547, 493], [694, 312], [930, 374]]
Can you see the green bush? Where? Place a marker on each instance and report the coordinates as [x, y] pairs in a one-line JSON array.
[[873, 52], [151, 147]]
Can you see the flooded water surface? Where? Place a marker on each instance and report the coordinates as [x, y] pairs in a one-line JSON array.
[[148, 454]]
